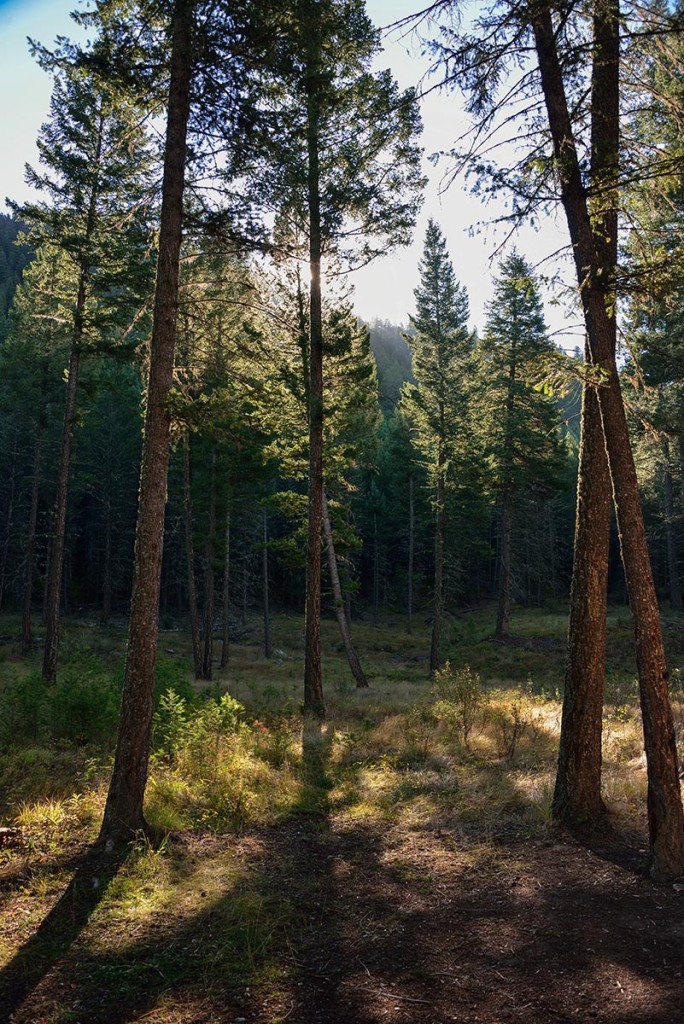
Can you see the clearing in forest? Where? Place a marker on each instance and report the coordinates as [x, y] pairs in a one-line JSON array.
[[396, 863]]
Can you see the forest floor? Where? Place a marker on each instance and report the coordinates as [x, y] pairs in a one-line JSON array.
[[375, 868]]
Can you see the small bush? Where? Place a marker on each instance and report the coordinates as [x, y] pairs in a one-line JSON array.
[[419, 728], [81, 707], [84, 706], [170, 724], [275, 743], [195, 739], [459, 699], [511, 721], [23, 709]]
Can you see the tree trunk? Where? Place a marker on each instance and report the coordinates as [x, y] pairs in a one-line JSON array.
[[267, 611], [225, 632], [52, 610], [596, 280], [190, 560], [342, 621], [503, 612], [46, 578], [376, 569], [208, 649], [123, 815], [107, 576], [313, 680], [245, 578], [665, 814], [438, 605], [551, 549], [409, 596], [26, 624], [577, 796], [672, 566], [8, 522]]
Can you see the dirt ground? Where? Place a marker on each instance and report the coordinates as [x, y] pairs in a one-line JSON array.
[[354, 923]]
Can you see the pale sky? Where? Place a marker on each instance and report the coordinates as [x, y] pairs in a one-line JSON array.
[[383, 290]]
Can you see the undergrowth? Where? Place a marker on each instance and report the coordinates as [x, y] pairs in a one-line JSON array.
[[470, 755]]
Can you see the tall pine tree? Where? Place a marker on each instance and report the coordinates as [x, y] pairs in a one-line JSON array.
[[520, 423], [94, 184], [438, 403]]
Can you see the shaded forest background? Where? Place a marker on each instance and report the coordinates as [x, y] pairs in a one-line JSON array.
[[374, 537]]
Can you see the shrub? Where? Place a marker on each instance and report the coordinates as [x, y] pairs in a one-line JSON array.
[[23, 709], [84, 706], [206, 732], [170, 724], [419, 727], [511, 721], [81, 707], [459, 699]]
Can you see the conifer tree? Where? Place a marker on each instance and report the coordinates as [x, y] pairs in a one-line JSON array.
[[351, 402], [93, 179], [32, 361], [123, 815], [437, 404], [572, 99], [340, 162], [219, 375], [13, 259], [595, 261], [519, 423]]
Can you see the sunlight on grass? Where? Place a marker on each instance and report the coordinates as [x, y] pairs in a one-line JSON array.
[[43, 814], [257, 803]]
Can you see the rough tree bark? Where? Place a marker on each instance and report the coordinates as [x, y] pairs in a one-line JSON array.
[[338, 600], [123, 815], [577, 796], [665, 813]]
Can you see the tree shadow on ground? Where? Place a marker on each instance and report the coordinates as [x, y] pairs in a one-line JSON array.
[[327, 918], [59, 930]]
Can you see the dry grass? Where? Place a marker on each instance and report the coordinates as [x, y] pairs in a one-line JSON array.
[[393, 748], [393, 757]]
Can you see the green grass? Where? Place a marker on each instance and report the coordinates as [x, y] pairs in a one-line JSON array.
[[192, 918]]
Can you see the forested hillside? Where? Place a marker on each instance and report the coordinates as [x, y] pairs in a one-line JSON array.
[[342, 662], [13, 259]]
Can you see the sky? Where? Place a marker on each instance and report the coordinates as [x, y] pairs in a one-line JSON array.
[[383, 290]]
